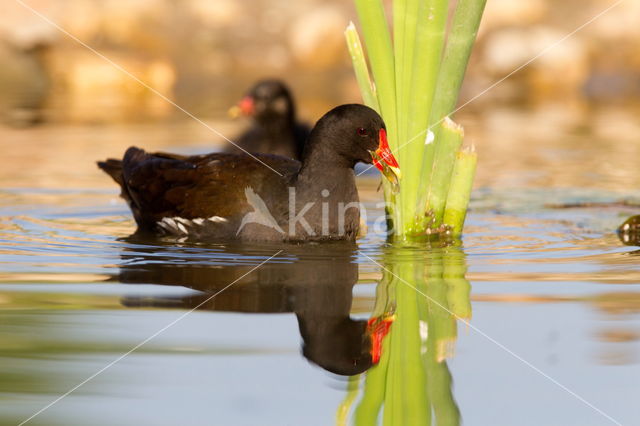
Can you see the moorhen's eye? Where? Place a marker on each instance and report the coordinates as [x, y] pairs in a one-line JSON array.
[[362, 131]]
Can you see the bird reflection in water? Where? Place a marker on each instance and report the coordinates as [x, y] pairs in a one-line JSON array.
[[314, 282]]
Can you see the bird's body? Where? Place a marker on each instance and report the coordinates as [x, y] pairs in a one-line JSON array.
[[233, 196], [208, 196]]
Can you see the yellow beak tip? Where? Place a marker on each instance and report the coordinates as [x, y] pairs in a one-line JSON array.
[[397, 172]]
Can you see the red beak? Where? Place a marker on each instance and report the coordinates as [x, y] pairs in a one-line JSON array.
[[384, 160], [384, 152], [246, 105], [378, 328]]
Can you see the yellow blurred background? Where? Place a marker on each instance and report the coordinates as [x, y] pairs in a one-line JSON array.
[[202, 54]]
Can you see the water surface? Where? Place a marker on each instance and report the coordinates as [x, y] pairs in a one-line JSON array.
[[551, 295]]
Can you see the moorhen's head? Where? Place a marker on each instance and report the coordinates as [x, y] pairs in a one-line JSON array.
[[342, 345], [338, 345], [355, 133], [266, 101]]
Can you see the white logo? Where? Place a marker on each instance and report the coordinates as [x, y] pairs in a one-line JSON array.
[[297, 223], [260, 214]]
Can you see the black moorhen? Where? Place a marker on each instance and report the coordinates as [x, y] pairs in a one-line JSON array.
[[275, 129], [234, 196]]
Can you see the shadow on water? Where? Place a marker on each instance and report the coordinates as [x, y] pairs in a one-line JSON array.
[[396, 360], [315, 283]]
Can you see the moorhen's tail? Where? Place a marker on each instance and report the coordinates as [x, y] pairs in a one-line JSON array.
[[113, 168]]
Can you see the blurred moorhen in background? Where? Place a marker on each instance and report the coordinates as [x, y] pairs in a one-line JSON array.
[[229, 196], [275, 129]]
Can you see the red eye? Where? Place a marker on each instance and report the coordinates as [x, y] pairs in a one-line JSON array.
[[362, 131]]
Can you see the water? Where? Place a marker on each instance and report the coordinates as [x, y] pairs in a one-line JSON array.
[[550, 295]]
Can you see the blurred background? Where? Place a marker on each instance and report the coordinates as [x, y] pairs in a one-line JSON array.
[[203, 54], [555, 285]]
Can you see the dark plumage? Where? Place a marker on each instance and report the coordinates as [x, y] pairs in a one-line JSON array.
[[222, 196], [275, 128]]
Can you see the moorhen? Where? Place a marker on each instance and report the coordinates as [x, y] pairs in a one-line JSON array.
[[235, 196], [275, 129]]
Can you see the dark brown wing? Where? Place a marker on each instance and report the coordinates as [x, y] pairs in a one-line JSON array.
[[166, 185]]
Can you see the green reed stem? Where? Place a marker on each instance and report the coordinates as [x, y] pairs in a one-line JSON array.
[[375, 384], [461, 37], [464, 171], [459, 288], [380, 51], [417, 83], [406, 386], [367, 89], [373, 394], [399, 17], [381, 57], [405, 17], [441, 342], [451, 136], [405, 20], [445, 409], [427, 55], [342, 414]]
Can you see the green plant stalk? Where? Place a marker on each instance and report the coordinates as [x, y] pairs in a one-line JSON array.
[[464, 170], [406, 380], [458, 296], [462, 35], [459, 288], [405, 20], [393, 396], [441, 341], [380, 51], [427, 55], [445, 409], [399, 17], [405, 17], [385, 296], [466, 20], [375, 384], [342, 414], [381, 58], [360, 67], [392, 393], [442, 326], [373, 394], [423, 281], [451, 136]]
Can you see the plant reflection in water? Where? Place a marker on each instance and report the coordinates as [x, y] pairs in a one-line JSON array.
[[401, 350], [427, 291]]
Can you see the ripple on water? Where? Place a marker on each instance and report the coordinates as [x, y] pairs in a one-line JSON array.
[[556, 286]]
